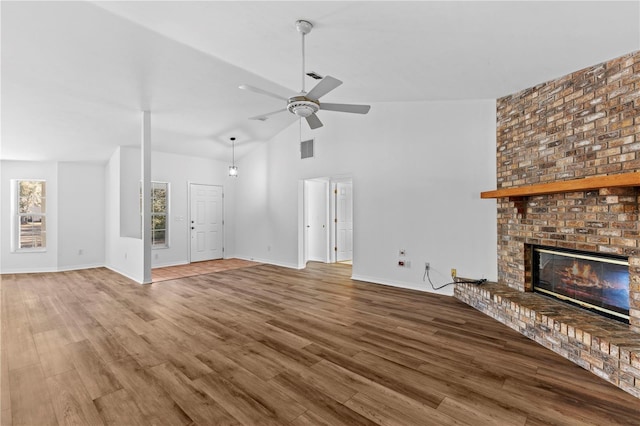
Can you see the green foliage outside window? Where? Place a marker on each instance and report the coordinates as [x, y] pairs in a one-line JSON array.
[[31, 214], [159, 201]]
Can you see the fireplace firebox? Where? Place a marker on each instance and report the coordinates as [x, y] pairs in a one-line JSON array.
[[593, 281]]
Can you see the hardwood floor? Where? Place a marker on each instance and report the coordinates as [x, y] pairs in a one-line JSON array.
[[198, 268], [265, 345]]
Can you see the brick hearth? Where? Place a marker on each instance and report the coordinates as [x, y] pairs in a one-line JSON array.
[[581, 125], [605, 347]]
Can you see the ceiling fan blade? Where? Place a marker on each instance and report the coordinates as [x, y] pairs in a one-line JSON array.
[[325, 85], [263, 117], [314, 121], [263, 92], [356, 109]]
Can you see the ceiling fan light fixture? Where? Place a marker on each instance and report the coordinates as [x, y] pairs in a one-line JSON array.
[[302, 110], [302, 107]]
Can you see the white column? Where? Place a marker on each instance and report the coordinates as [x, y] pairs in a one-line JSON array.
[[145, 167]]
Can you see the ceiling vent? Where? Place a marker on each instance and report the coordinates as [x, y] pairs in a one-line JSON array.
[[306, 149], [314, 75]]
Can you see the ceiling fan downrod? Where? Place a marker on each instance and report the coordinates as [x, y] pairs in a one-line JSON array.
[[304, 28]]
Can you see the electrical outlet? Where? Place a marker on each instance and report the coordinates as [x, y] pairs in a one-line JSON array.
[[454, 273]]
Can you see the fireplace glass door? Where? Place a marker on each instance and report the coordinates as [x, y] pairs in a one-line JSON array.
[[596, 282]]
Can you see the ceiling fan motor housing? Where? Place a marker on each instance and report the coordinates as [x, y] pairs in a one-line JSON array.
[[302, 106]]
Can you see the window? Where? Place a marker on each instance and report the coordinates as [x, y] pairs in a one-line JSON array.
[[30, 208], [159, 223]]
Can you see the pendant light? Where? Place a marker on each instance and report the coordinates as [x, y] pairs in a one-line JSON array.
[[233, 169]]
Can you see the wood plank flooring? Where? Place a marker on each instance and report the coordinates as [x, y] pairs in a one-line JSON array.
[[198, 268], [265, 345]]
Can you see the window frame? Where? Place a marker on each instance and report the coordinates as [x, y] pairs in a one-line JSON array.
[[17, 217], [165, 214]]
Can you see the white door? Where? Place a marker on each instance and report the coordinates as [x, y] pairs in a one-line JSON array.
[[206, 222], [316, 220], [344, 221]]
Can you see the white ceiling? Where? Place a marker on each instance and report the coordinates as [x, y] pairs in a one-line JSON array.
[[75, 75]]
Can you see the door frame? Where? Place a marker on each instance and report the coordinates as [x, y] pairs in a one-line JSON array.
[[188, 221], [331, 256]]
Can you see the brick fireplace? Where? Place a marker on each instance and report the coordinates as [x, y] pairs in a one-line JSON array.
[[581, 126]]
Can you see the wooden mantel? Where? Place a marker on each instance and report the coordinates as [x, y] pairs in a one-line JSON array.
[[585, 184]]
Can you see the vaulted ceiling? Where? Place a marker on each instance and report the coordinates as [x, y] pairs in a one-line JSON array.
[[75, 75]]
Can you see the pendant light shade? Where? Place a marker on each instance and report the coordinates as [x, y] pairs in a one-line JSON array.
[[233, 169]]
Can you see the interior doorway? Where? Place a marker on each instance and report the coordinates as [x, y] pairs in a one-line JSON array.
[[327, 220], [205, 222]]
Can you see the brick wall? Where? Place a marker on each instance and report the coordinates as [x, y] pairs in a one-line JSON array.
[[584, 124]]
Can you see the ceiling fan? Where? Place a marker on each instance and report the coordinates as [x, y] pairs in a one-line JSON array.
[[303, 104]]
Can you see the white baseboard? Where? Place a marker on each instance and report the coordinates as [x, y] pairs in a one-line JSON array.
[[124, 275], [29, 271], [166, 265], [269, 262], [52, 269], [78, 267], [447, 291]]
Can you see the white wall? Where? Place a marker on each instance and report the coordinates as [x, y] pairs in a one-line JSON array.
[[130, 183], [124, 254], [418, 170], [179, 171], [41, 261], [75, 216], [82, 215], [86, 226]]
